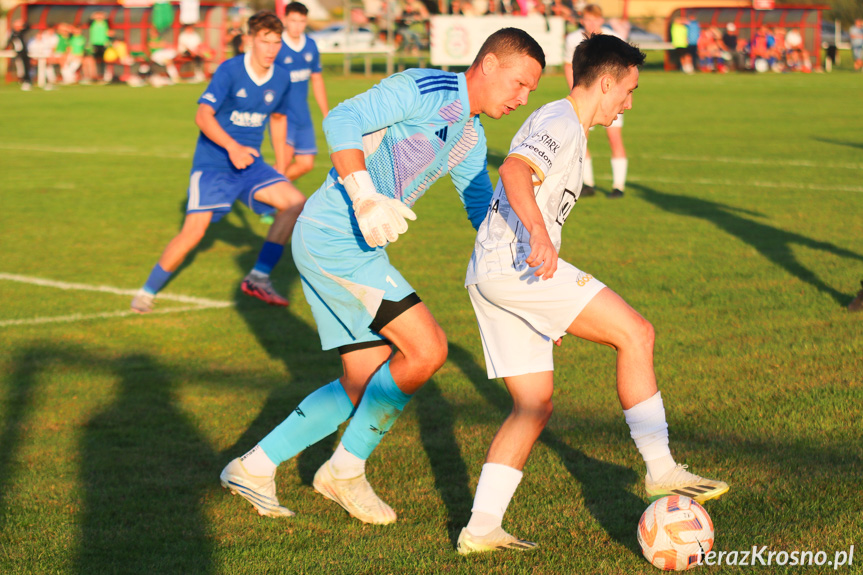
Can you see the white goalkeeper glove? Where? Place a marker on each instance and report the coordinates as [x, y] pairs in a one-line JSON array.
[[381, 219]]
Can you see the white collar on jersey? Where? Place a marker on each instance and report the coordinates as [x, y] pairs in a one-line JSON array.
[[296, 47], [258, 80]]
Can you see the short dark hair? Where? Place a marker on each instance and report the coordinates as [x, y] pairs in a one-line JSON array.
[[602, 54], [265, 20], [509, 42], [298, 7]]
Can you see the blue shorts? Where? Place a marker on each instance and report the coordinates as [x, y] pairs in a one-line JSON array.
[[302, 139], [344, 281], [214, 190]]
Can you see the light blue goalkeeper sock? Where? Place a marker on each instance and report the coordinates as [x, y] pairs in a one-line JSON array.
[[317, 416], [381, 405]]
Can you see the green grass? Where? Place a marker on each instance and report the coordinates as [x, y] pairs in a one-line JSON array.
[[740, 238]]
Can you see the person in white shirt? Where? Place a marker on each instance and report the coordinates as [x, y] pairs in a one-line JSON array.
[[592, 23], [526, 298], [190, 45]]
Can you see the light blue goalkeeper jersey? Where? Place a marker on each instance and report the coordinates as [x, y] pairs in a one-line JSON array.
[[413, 128]]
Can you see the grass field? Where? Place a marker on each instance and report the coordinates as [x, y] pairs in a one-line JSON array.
[[740, 238]]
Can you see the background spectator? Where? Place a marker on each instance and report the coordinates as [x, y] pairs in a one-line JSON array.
[[680, 45], [162, 55], [41, 47], [100, 38], [856, 33], [234, 37], [730, 40], [74, 56], [189, 45], [693, 34], [414, 26], [18, 43], [796, 55]]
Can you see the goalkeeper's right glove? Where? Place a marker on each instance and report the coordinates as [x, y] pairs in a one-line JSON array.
[[381, 219]]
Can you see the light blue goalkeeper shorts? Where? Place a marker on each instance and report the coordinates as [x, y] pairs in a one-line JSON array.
[[344, 281]]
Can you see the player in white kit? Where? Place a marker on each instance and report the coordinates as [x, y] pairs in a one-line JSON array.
[[592, 22], [526, 299]]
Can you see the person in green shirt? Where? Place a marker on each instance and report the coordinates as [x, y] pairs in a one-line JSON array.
[[680, 42], [100, 39], [74, 54]]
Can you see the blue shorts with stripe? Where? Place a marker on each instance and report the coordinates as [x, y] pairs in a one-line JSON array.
[[302, 139], [344, 281], [216, 190]]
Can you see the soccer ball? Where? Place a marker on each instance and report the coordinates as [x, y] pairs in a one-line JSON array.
[[674, 533]]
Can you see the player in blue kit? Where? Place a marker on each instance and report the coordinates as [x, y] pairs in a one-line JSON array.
[[388, 145], [245, 92], [299, 55]]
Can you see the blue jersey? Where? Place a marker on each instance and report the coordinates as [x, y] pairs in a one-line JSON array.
[[301, 64], [413, 128], [243, 104]]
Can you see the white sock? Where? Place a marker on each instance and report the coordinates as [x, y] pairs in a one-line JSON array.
[[618, 172], [588, 172], [258, 275], [648, 428], [346, 465], [258, 463], [496, 486]]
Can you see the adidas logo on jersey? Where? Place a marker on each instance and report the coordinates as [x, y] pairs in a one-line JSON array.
[[242, 93], [441, 133]]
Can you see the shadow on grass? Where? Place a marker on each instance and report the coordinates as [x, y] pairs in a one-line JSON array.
[[858, 145], [19, 404], [602, 483], [437, 419], [242, 235], [772, 243], [289, 340], [285, 337], [144, 466]]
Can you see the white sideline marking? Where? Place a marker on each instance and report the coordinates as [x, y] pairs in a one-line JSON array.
[[81, 316], [666, 157], [197, 303], [93, 151]]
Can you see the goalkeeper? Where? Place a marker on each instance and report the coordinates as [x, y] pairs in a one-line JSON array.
[[387, 145]]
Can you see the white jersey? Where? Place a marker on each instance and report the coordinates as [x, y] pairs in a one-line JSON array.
[[553, 143]]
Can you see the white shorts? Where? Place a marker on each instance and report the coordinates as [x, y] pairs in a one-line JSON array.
[[164, 56], [520, 316]]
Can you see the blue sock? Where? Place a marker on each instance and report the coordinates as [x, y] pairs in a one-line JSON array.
[[381, 405], [157, 280], [317, 416], [270, 255]]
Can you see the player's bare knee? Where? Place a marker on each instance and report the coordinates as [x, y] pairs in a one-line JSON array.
[[538, 412], [431, 354], [640, 334], [304, 165], [191, 236]]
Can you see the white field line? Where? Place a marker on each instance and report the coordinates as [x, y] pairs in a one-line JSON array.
[[82, 317], [93, 151], [197, 303], [665, 157]]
